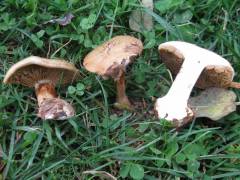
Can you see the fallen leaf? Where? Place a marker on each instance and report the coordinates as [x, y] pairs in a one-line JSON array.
[[65, 20], [140, 20], [213, 103], [102, 174]]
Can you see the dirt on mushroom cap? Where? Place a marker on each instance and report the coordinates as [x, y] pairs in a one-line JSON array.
[[212, 76], [33, 69], [119, 50]]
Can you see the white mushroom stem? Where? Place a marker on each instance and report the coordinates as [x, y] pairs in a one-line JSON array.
[[186, 79], [174, 105]]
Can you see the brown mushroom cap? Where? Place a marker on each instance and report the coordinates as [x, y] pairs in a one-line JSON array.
[[33, 69], [212, 76], [118, 51]]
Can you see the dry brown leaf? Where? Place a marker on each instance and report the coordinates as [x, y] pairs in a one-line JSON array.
[[65, 20], [213, 103], [140, 20]]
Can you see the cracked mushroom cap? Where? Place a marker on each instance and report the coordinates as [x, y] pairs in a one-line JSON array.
[[106, 59], [173, 54], [33, 69]]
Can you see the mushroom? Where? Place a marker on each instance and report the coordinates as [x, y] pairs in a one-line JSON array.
[[191, 65], [43, 75], [111, 59]]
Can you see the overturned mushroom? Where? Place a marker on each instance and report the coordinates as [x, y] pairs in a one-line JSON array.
[[192, 65], [111, 59], [44, 75]]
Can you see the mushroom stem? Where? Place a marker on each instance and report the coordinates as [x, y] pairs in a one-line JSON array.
[[50, 106], [185, 80], [174, 106], [122, 101], [44, 90]]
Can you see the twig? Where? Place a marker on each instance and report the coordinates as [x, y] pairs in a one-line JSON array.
[[61, 48], [225, 19]]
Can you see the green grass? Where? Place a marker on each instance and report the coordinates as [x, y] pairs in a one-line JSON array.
[[100, 138]]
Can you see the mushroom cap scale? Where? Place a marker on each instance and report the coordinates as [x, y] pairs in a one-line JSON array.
[[118, 51], [33, 69], [173, 54]]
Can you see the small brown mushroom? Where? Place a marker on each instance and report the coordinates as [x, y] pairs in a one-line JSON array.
[[43, 75], [111, 59]]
